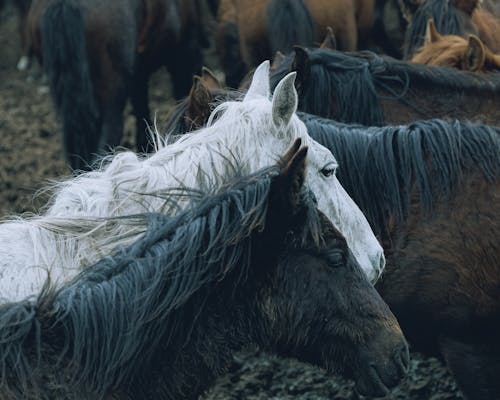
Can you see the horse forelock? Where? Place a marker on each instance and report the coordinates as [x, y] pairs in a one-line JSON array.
[[434, 155]]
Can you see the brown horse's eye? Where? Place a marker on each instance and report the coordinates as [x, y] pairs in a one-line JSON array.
[[336, 258]]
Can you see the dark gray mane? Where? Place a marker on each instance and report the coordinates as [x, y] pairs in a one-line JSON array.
[[448, 20], [378, 165], [109, 322], [354, 82]]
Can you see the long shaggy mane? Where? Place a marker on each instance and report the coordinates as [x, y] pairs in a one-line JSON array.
[[353, 80], [379, 165]]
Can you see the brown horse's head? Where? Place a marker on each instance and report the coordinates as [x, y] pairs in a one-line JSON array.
[[456, 52]]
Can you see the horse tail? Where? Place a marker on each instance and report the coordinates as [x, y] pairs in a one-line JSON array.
[[289, 23], [65, 61]]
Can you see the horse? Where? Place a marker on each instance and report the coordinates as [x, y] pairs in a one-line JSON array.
[[253, 262], [98, 54], [431, 191], [452, 17], [373, 90], [249, 32], [253, 131], [456, 52]]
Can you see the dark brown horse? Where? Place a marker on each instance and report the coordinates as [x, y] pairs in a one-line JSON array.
[[97, 54], [250, 32], [452, 17], [254, 263], [372, 90], [431, 191], [456, 52]]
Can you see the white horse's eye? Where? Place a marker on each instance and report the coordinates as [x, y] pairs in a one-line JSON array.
[[329, 169]]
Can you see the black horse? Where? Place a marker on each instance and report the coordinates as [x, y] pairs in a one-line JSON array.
[[254, 263]]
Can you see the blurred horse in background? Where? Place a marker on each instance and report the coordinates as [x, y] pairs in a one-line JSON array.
[[452, 17], [261, 28], [21, 7], [456, 52], [97, 54]]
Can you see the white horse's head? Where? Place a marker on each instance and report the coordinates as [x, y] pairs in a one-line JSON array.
[[252, 134], [280, 130]]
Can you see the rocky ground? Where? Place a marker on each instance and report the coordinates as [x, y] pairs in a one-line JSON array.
[[31, 155]]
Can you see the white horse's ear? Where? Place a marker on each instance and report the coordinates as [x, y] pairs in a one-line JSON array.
[[260, 82], [285, 100]]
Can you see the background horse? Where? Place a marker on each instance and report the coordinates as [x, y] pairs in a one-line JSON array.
[[373, 90], [453, 17], [253, 131], [254, 263], [431, 192], [263, 27], [97, 54], [456, 52]]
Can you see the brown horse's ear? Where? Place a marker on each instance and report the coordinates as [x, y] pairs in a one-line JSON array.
[[329, 42], [302, 65], [277, 60], [209, 79], [293, 172], [476, 55], [198, 109], [431, 33]]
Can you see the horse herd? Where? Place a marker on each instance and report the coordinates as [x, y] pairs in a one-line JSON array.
[[297, 208]]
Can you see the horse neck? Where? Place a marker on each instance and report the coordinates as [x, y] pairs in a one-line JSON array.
[[226, 323], [129, 185], [425, 101]]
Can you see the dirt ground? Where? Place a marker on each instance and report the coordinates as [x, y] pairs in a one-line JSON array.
[[31, 156]]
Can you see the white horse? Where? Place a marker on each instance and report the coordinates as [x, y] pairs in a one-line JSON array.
[[251, 133]]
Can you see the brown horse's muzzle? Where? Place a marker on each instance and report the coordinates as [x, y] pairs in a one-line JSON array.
[[383, 362]]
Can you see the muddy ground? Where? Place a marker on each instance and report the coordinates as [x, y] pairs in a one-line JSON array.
[[31, 155]]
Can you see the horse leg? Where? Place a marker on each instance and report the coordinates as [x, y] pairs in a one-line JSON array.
[[476, 367], [113, 88], [139, 97], [184, 63], [227, 43]]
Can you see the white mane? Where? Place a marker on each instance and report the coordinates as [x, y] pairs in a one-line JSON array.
[[75, 230]]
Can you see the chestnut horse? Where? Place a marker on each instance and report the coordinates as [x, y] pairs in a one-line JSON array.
[[99, 53], [372, 90], [455, 51], [431, 191], [452, 17], [251, 31]]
